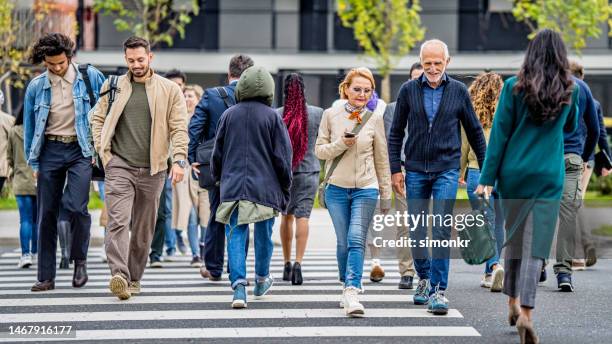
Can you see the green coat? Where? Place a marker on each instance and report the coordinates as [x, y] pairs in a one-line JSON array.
[[21, 174], [525, 162]]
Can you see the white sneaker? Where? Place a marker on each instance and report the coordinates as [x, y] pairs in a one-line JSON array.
[[486, 281], [497, 282], [352, 307], [25, 261]]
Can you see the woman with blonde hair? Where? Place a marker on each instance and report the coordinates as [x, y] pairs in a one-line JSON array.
[[189, 201], [484, 93], [352, 142]]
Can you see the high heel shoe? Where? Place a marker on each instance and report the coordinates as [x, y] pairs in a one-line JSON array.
[[526, 331], [513, 314]]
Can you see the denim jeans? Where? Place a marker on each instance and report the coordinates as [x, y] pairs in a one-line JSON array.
[[193, 234], [27, 224], [237, 242], [496, 215], [420, 188], [169, 233], [351, 211]]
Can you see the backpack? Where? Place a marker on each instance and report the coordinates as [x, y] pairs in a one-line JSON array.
[[97, 172], [205, 148]]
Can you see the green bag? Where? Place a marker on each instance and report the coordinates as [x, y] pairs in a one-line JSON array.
[[481, 245]]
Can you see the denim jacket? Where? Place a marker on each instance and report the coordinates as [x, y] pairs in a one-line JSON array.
[[36, 111]]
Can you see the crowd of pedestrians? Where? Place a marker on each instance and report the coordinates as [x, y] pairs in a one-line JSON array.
[[177, 158]]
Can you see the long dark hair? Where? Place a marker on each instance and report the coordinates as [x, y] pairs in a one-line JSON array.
[[544, 78], [295, 116]]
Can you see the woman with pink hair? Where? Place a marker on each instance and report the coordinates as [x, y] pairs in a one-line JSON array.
[[302, 122]]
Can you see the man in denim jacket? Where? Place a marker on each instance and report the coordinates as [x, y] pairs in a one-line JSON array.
[[58, 147]]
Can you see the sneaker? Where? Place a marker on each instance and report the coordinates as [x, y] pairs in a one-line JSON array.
[[486, 281], [377, 273], [406, 282], [25, 261], [134, 287], [421, 295], [262, 287], [591, 256], [239, 300], [196, 262], [498, 279], [351, 304], [564, 282], [119, 287], [543, 275], [439, 303], [287, 272], [156, 263], [578, 265]]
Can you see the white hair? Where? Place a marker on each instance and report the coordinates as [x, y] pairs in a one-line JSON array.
[[437, 42]]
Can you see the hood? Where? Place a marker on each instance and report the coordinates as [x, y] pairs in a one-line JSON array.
[[255, 83]]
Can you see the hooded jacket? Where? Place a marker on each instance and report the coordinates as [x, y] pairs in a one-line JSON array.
[[252, 154]]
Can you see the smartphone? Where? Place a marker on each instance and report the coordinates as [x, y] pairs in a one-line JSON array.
[[349, 135]]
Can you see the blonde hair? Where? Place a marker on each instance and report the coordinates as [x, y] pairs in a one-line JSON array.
[[348, 79], [197, 89], [484, 92]]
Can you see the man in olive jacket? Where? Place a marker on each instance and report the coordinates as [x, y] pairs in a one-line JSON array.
[[133, 141]]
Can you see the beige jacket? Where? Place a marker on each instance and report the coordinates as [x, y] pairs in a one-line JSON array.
[[366, 163], [168, 120], [6, 123], [468, 157]]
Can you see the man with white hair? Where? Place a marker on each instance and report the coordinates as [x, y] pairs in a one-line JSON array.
[[436, 106]]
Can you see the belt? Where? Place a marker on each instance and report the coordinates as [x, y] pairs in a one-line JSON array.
[[62, 139]]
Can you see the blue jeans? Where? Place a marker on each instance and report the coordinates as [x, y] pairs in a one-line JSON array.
[[351, 211], [237, 243], [27, 224], [193, 234], [101, 190], [420, 188], [496, 215], [169, 233]]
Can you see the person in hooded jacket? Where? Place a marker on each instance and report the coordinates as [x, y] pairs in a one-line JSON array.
[[251, 161]]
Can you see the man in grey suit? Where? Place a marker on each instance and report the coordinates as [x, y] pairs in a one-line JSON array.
[[404, 256]]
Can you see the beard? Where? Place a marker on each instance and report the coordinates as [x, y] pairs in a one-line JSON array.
[[140, 72]]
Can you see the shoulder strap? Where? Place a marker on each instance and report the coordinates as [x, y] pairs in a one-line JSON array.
[[112, 90], [83, 70], [355, 131], [226, 99]]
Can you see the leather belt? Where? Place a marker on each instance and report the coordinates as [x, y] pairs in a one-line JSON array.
[[62, 139]]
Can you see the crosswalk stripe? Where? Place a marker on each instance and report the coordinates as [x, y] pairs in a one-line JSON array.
[[217, 314], [275, 298], [270, 332]]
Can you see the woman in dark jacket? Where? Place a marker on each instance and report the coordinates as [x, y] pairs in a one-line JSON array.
[[252, 161], [302, 122]]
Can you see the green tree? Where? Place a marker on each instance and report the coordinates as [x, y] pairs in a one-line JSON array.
[[11, 55], [156, 20], [576, 20], [385, 29]]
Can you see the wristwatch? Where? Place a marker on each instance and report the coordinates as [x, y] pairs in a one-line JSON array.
[[181, 163]]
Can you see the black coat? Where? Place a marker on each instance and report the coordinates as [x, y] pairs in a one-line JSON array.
[[252, 156]]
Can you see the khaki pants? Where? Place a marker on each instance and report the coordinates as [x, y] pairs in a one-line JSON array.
[[132, 199]]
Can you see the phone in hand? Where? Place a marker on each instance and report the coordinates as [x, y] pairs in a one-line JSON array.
[[349, 135]]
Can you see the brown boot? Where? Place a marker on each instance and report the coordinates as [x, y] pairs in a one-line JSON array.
[[43, 285]]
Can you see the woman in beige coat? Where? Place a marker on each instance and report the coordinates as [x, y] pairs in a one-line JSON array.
[[190, 205]]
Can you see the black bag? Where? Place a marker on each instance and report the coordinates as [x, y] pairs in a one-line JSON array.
[[205, 148], [602, 160], [97, 172]]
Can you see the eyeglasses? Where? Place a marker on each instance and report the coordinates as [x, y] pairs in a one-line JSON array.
[[360, 90]]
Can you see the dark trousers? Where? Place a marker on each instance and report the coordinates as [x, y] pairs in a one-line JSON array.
[[58, 162], [214, 241], [161, 226], [2, 180]]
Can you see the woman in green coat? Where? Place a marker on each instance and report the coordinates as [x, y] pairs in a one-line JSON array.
[[525, 162]]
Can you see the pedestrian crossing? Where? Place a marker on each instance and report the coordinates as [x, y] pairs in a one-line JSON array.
[[176, 303]]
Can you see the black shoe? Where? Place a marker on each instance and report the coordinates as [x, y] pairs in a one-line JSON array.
[[543, 276], [405, 282], [43, 285], [296, 274], [80, 273], [287, 272], [64, 264], [564, 282]]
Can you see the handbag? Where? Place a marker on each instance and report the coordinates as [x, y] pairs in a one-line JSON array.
[[323, 185], [481, 245]]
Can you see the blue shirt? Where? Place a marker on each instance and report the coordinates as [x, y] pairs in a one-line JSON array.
[[583, 140], [432, 97]]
